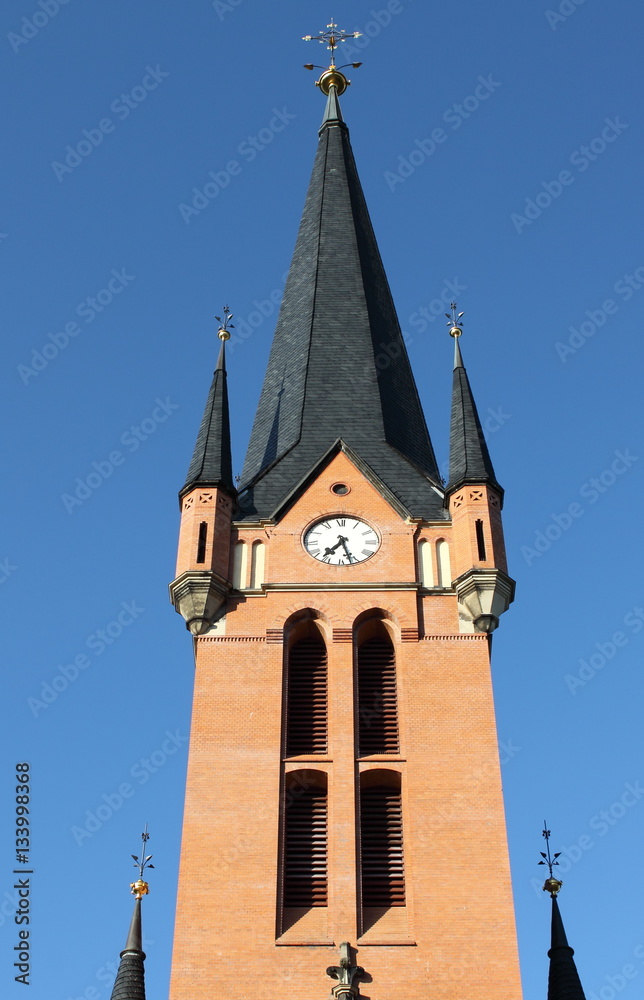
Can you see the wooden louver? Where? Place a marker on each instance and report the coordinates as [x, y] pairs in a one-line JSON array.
[[377, 708], [305, 850], [306, 729], [383, 875]]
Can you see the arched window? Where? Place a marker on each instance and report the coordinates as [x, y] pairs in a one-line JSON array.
[[377, 697], [425, 563], [257, 565], [240, 565], [306, 695], [305, 841], [443, 563], [381, 841]]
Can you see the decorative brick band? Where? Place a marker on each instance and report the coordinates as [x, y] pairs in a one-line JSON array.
[[409, 634], [461, 637], [274, 635], [342, 634], [231, 638]]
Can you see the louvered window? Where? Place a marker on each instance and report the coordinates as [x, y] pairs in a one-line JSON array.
[[377, 711], [383, 876], [306, 698], [305, 850]]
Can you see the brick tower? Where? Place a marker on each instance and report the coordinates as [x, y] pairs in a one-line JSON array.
[[343, 769]]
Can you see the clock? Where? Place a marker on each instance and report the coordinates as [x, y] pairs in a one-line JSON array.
[[341, 541]]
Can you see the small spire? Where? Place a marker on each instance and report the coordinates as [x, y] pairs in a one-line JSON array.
[[563, 979], [469, 458], [130, 978], [211, 463]]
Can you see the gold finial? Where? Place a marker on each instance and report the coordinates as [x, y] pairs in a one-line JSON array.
[[140, 888], [455, 323], [332, 77], [552, 884], [225, 326]]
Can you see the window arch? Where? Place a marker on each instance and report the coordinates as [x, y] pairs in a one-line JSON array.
[[377, 694], [306, 692], [425, 567], [240, 564], [443, 563], [381, 841], [257, 559]]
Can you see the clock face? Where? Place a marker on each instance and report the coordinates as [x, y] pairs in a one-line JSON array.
[[341, 541]]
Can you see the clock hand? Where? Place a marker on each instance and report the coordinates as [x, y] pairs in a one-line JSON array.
[[329, 552], [344, 546]]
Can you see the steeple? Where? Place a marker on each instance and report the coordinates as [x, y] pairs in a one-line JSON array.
[[469, 458], [563, 978], [338, 373], [211, 463], [130, 978]]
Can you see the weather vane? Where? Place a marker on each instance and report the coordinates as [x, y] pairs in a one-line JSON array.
[[225, 326], [552, 884], [332, 77], [140, 887], [455, 321]]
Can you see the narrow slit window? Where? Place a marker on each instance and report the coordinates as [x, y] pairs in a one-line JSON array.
[[305, 847], [383, 874], [377, 701], [201, 544], [480, 540], [306, 705]]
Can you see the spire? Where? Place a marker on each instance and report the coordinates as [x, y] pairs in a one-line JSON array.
[[211, 463], [469, 458], [563, 978], [338, 373], [130, 978]]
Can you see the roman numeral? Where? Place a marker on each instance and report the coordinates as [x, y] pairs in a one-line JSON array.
[[341, 522], [315, 552], [326, 559], [366, 552], [325, 524]]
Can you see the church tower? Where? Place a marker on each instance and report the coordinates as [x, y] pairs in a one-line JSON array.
[[343, 770]]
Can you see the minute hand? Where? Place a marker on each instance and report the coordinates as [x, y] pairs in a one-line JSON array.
[[344, 546]]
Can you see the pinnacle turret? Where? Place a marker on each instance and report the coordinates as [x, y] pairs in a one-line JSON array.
[[211, 463], [469, 458]]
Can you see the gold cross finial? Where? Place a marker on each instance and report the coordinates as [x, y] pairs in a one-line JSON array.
[[140, 887], [331, 37], [552, 884], [332, 77], [455, 321], [225, 326]]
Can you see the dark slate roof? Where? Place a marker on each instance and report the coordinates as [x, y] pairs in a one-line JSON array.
[[130, 978], [563, 979], [338, 368], [469, 458], [211, 463]]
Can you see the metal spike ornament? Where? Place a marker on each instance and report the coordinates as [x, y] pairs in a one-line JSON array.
[[332, 77], [552, 884], [455, 321], [225, 326], [140, 888]]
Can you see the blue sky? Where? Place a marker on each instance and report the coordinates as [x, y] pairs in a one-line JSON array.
[[500, 148]]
